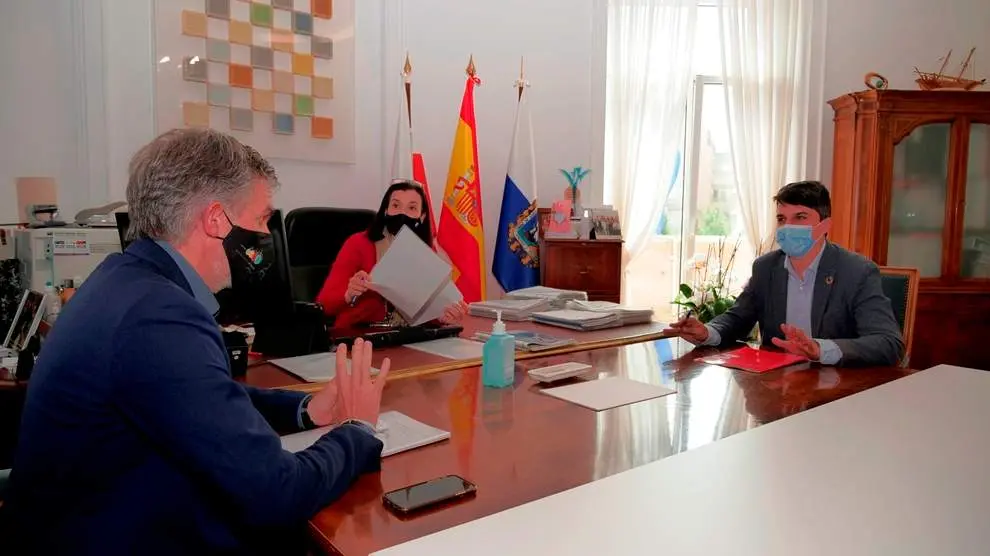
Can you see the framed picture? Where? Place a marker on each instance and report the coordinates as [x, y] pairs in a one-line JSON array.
[[26, 320], [605, 222]]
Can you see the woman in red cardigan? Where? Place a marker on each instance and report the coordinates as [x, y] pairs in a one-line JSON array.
[[346, 294]]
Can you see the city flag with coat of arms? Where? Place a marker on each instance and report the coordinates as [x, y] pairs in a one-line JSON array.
[[516, 262]]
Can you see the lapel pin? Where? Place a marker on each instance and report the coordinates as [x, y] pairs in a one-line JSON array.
[[829, 280]]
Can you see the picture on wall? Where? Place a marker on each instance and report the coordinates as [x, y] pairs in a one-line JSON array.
[[276, 74]]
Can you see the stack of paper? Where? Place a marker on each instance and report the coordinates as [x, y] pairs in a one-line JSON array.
[[607, 393], [512, 309], [397, 431], [315, 367], [419, 296], [531, 341], [557, 298], [578, 320], [627, 315]]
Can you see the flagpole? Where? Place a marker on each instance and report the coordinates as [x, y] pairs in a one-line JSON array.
[[521, 84], [407, 81]]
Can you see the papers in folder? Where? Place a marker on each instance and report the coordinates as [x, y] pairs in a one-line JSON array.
[[414, 279], [578, 320], [627, 315], [397, 431], [754, 360], [316, 367], [556, 297], [512, 309]]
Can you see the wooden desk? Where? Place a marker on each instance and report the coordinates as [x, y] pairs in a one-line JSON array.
[[410, 362], [518, 445], [899, 469]]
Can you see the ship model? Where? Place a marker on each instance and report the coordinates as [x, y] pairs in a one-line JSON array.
[[929, 81]]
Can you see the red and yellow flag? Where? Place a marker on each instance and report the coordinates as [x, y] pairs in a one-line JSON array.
[[461, 231]]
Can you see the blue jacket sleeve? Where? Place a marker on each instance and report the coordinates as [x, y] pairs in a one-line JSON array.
[[279, 407], [185, 402]]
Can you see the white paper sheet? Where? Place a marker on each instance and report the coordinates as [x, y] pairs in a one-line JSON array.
[[414, 279], [607, 393], [316, 367], [397, 431], [457, 349]]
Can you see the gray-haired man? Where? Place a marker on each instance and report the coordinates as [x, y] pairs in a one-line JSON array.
[[135, 439]]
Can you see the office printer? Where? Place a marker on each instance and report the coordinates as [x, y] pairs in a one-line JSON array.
[[65, 253]]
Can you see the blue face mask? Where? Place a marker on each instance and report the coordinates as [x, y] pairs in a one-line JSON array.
[[795, 241]]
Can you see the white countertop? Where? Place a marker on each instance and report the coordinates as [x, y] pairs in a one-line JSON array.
[[901, 469]]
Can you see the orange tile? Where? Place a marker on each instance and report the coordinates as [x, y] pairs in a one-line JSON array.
[[262, 101], [302, 64], [239, 75], [322, 8], [283, 82], [321, 128], [194, 24], [283, 40], [240, 32], [322, 87], [196, 114]]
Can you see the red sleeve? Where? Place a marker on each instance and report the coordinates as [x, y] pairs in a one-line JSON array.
[[349, 261]]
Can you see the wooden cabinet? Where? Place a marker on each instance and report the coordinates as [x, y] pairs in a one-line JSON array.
[[911, 187], [594, 266]]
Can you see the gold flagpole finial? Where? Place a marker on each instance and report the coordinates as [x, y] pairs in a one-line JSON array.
[[407, 67], [471, 70]]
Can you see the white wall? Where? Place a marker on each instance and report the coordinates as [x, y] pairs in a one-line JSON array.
[[890, 37], [80, 103], [562, 41], [42, 101]]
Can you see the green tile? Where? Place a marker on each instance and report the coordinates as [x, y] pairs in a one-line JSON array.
[[304, 105], [261, 15]]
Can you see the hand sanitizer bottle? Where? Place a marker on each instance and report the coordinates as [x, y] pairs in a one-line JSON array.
[[498, 357]]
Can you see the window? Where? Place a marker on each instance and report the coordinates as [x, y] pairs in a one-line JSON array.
[[701, 214]]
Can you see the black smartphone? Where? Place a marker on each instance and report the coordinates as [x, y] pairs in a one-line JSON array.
[[428, 493]]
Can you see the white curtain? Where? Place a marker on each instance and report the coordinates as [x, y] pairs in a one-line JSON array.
[[649, 76], [766, 58]]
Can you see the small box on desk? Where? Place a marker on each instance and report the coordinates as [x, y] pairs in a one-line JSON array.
[[237, 352]]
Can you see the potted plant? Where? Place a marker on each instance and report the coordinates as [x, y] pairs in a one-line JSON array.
[[710, 296]]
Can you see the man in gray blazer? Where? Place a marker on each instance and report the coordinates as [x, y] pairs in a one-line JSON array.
[[810, 297]]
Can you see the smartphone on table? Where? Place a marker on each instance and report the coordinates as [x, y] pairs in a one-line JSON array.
[[428, 493]]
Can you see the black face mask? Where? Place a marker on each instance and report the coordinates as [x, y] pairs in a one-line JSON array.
[[249, 253], [394, 222]]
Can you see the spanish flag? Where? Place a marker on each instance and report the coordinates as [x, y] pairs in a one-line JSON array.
[[461, 231]]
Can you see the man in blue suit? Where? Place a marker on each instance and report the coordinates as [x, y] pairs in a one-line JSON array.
[[134, 437]]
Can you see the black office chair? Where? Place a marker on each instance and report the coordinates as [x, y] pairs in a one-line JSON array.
[[315, 236], [900, 286]]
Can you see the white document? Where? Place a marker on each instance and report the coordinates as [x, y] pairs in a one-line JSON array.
[[457, 349], [607, 393], [397, 431], [414, 279], [316, 367]]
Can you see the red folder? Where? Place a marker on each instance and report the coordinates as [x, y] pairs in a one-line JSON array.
[[754, 360]]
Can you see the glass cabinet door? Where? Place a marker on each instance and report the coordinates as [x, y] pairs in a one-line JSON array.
[[917, 204], [974, 261]]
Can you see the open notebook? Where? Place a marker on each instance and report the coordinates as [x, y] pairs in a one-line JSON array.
[[397, 431]]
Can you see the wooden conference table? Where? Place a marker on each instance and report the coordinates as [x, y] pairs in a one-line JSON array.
[[518, 445], [407, 362]]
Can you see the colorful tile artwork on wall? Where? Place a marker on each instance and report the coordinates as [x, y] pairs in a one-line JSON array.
[[265, 68]]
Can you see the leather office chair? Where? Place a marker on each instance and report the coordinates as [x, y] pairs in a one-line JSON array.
[[900, 285], [315, 236]]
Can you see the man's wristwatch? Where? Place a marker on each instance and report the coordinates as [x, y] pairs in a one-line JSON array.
[[307, 421]]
